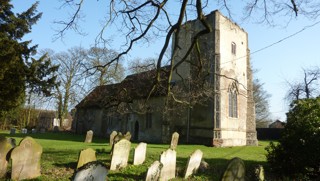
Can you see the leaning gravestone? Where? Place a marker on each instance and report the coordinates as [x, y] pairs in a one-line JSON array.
[[235, 170], [140, 153], [153, 173], [174, 140], [168, 160], [112, 135], [193, 163], [120, 154], [5, 148], [89, 136], [95, 171], [86, 156], [26, 159]]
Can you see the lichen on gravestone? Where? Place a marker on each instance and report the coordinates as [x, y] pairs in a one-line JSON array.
[[26, 159]]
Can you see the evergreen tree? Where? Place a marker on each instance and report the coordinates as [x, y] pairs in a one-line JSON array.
[[19, 72]]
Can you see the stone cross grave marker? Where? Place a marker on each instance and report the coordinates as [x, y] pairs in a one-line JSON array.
[[193, 163], [154, 170], [96, 171], [26, 159], [5, 147], [112, 135], [140, 154], [235, 170], [85, 156], [168, 160], [174, 140], [120, 154], [89, 136]]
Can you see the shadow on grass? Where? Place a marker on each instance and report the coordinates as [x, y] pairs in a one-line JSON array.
[[213, 172]]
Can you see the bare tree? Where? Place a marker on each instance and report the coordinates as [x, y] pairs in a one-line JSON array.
[[145, 21], [70, 76], [103, 75], [141, 65], [261, 99], [305, 88]]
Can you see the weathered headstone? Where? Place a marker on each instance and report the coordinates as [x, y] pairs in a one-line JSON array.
[[5, 147], [120, 154], [235, 170], [95, 171], [174, 140], [112, 135], [26, 159], [259, 173], [24, 131], [33, 131], [193, 163], [168, 160], [13, 131], [154, 170], [127, 136], [86, 156], [89, 136], [140, 154]]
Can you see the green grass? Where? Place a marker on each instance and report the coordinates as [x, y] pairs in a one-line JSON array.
[[61, 150]]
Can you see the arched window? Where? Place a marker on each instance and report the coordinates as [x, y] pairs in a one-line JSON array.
[[233, 48], [233, 100]]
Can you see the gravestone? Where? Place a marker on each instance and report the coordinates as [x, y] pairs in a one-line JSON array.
[[168, 160], [89, 136], [235, 170], [5, 148], [112, 135], [120, 154], [154, 170], [140, 154], [174, 140], [13, 131], [193, 163], [24, 131], [33, 131], [86, 156], [95, 171], [26, 159], [127, 136]]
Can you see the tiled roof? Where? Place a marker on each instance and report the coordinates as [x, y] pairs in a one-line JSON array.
[[135, 86]]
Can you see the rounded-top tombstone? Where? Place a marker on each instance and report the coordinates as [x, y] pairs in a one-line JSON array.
[[26, 159]]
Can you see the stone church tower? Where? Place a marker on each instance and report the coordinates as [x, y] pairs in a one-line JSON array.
[[228, 120]]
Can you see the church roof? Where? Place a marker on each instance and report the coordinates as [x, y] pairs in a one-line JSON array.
[[135, 86]]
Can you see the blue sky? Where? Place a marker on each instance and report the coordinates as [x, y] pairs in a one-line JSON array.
[[276, 64]]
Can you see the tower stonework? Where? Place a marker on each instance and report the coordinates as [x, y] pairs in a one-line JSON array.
[[227, 55]]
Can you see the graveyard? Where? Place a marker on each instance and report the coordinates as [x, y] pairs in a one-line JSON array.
[[61, 158]]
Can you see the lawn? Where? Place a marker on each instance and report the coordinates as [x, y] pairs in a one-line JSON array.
[[61, 150]]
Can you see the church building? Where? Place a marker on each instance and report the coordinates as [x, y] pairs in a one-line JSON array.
[[211, 101]]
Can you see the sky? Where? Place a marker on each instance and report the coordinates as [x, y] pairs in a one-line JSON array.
[[278, 52]]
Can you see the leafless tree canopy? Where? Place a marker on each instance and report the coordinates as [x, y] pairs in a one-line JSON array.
[[305, 87], [145, 21]]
